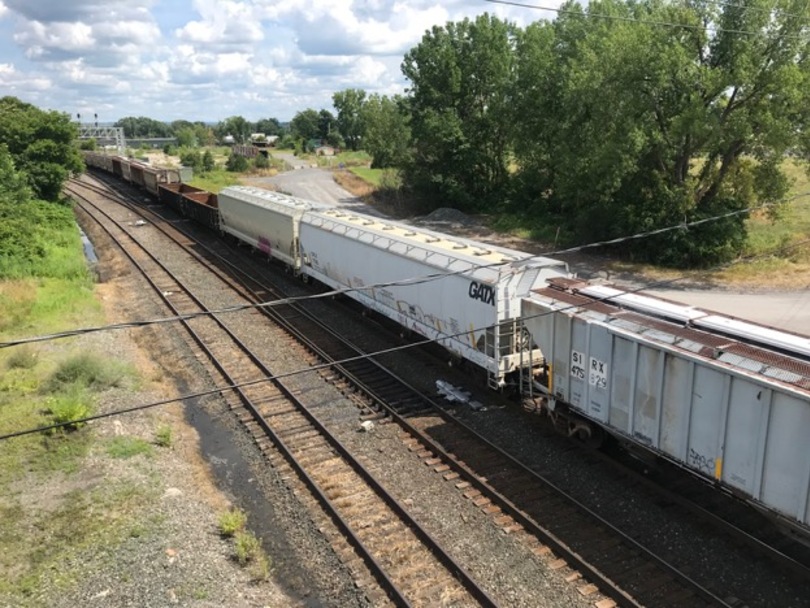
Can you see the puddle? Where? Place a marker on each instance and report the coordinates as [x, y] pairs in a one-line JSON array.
[[89, 250]]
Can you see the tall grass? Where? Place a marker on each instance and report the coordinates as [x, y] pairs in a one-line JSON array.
[[215, 180], [372, 176]]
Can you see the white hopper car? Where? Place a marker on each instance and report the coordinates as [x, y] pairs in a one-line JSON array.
[[473, 311], [728, 399]]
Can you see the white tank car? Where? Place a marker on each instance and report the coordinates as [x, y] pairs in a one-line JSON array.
[[726, 398], [472, 309], [266, 220]]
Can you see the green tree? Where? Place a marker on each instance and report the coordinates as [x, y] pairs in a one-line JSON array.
[[269, 126], [204, 134], [193, 159], [208, 163], [41, 145], [237, 163], [460, 75], [305, 125], [142, 126], [627, 126], [186, 137], [326, 124], [178, 125], [14, 188], [387, 134], [349, 106], [235, 126]]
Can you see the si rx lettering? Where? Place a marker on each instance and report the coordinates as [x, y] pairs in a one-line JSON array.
[[482, 292]]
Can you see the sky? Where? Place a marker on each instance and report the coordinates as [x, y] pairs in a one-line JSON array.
[[210, 59]]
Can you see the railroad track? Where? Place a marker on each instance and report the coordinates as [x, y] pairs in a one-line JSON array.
[[408, 565], [610, 561]]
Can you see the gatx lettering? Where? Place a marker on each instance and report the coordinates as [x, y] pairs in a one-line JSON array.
[[480, 291]]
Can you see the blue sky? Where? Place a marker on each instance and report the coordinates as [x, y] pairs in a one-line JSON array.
[[210, 59]]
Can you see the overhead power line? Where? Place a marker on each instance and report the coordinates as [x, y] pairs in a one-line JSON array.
[[425, 341], [401, 282]]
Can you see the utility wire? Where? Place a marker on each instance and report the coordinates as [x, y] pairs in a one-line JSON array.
[[394, 349], [688, 26], [401, 282]]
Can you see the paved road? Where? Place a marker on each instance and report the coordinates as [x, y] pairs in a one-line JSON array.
[[314, 184], [785, 310]]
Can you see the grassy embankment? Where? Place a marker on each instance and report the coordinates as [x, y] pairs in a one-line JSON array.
[[45, 510], [788, 270]]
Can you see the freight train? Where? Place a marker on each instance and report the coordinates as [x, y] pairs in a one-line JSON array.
[[727, 399]]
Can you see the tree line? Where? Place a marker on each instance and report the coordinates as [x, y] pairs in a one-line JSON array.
[[617, 118]]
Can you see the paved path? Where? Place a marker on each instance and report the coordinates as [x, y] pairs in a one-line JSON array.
[[785, 310], [313, 184]]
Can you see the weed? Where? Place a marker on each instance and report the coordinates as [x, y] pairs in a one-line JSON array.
[[86, 370], [163, 436], [68, 408], [24, 357], [246, 547], [127, 447], [215, 180], [231, 522], [260, 567]]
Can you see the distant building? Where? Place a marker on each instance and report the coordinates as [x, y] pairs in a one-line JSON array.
[[262, 141], [249, 151], [228, 140]]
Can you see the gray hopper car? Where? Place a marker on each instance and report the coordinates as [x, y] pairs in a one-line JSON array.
[[733, 407]]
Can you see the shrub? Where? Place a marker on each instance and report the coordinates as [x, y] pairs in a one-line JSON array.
[[260, 567], [247, 547], [231, 522], [163, 436], [67, 409], [237, 163], [261, 162], [86, 370], [24, 357]]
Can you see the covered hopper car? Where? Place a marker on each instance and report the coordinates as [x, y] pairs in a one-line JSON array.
[[725, 398], [468, 297]]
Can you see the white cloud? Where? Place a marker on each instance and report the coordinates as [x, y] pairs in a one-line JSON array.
[[207, 59], [223, 23], [12, 81], [56, 36]]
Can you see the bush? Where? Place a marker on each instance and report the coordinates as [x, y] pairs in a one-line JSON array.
[[261, 162], [208, 163], [231, 522], [237, 163], [163, 436], [247, 547], [24, 357], [67, 409], [86, 370], [192, 158]]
